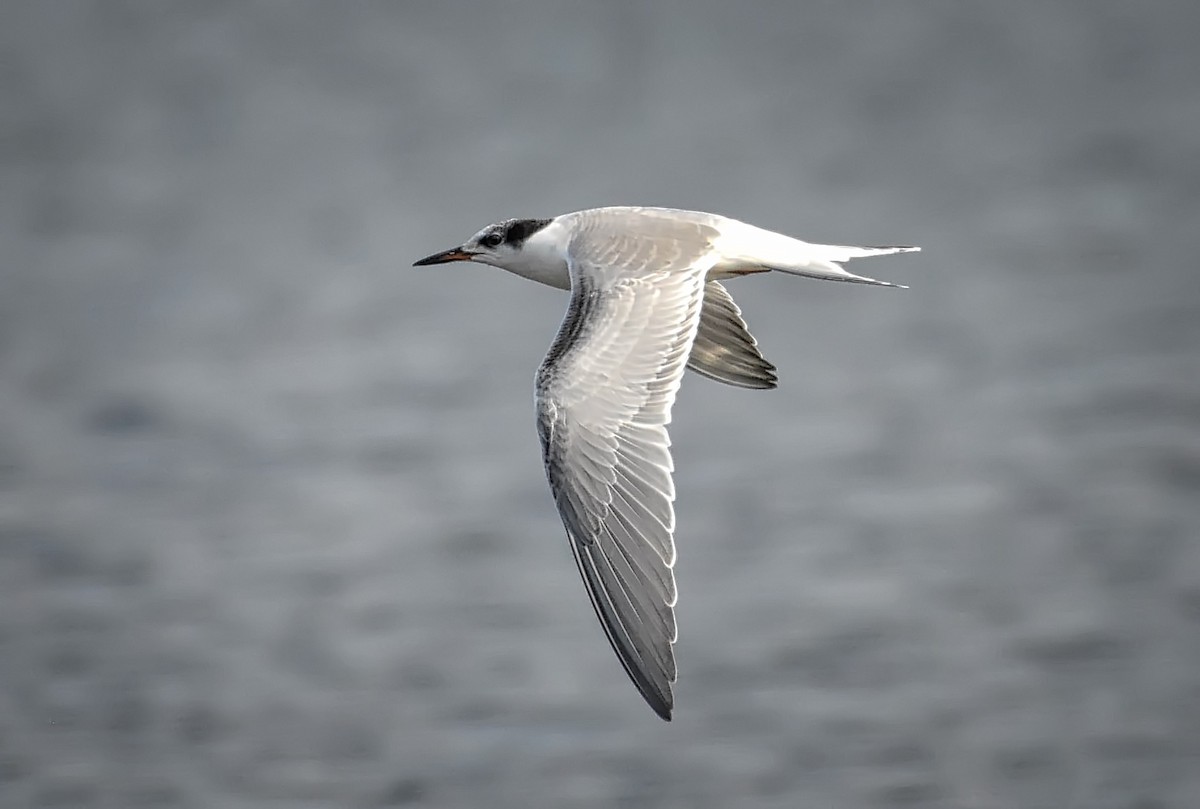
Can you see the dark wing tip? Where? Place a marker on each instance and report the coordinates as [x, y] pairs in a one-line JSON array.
[[663, 709], [656, 691], [663, 704], [750, 379]]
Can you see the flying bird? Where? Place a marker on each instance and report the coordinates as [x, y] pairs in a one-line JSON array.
[[646, 301]]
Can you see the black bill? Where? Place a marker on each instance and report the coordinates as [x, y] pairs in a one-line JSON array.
[[444, 257]]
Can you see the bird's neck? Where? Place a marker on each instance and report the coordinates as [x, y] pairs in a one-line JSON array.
[[543, 258]]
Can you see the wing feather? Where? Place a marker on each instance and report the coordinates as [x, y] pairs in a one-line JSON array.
[[604, 397], [724, 349]]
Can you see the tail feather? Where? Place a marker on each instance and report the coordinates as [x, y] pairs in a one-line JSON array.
[[867, 252], [824, 261], [829, 271], [744, 245]]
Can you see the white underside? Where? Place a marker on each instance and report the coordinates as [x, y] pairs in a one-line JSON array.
[[740, 247]]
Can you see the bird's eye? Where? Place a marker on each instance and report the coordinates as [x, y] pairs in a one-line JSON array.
[[493, 239]]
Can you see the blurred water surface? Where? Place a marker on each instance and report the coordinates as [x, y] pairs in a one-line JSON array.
[[273, 525]]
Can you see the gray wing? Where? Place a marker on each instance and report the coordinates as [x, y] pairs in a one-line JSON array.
[[604, 396], [724, 349]]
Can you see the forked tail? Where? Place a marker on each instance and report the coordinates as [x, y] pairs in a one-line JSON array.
[[743, 244], [824, 261]]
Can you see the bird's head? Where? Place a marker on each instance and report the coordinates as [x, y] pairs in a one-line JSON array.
[[501, 245]]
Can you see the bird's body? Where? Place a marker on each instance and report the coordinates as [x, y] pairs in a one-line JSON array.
[[645, 302]]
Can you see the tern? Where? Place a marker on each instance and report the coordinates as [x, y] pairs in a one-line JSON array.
[[646, 301]]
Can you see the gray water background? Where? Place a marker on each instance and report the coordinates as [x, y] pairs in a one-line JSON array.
[[273, 524]]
